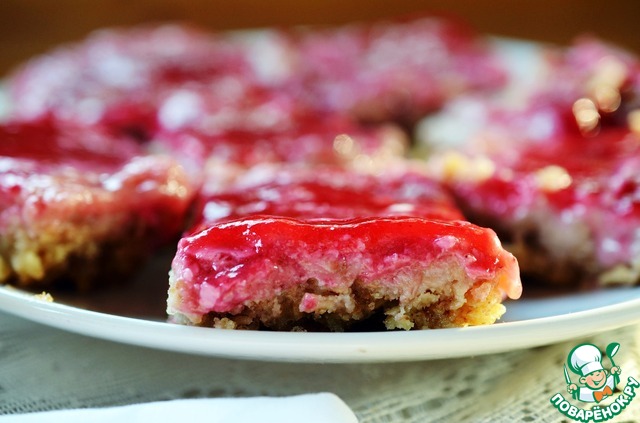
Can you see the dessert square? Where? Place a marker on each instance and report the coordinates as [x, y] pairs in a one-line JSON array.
[[79, 206], [269, 272], [554, 170]]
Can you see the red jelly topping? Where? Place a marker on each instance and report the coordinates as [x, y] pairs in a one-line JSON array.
[[226, 265], [51, 171], [47, 144], [331, 193]]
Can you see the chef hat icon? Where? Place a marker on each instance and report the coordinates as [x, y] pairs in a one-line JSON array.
[[585, 359]]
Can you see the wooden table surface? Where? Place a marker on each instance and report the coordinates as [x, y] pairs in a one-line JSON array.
[[28, 27]]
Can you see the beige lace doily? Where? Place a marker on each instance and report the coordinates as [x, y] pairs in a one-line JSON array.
[[44, 369]]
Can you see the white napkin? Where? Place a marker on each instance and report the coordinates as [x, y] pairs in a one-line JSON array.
[[308, 408]]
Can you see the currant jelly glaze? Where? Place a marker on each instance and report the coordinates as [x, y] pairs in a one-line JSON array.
[[52, 170], [329, 192]]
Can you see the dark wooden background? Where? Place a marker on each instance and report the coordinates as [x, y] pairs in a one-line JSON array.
[[29, 27]]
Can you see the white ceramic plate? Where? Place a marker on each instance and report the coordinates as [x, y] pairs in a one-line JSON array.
[[528, 323]]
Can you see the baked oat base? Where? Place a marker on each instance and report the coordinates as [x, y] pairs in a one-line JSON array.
[[83, 255]]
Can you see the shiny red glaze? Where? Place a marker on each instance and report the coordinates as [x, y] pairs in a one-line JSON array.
[[46, 144], [52, 171], [330, 193]]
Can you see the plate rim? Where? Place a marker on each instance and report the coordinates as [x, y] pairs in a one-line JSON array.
[[350, 347]]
